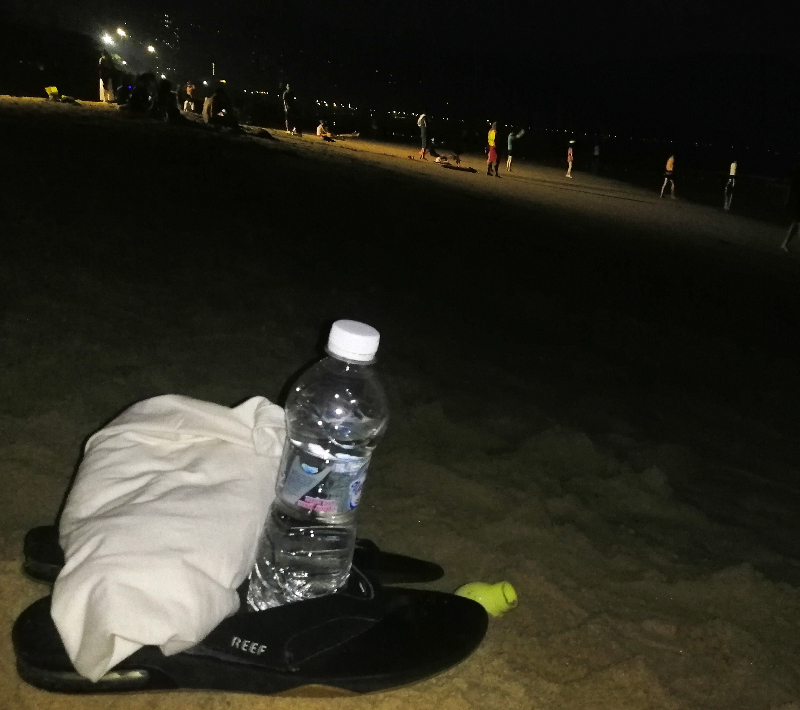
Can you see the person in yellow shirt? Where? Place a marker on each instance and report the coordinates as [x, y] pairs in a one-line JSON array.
[[492, 159], [669, 177]]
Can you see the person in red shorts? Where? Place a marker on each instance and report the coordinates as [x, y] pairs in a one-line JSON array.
[[492, 159]]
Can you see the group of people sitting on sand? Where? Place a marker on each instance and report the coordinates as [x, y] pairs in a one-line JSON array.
[[149, 95]]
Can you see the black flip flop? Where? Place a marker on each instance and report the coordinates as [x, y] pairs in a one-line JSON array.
[[359, 640], [44, 559]]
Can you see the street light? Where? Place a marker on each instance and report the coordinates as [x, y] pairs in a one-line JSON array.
[[121, 32], [151, 48], [107, 39]]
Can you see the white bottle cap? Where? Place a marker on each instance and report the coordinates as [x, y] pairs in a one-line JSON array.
[[351, 340]]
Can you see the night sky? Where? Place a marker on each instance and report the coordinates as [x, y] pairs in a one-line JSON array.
[[648, 67]]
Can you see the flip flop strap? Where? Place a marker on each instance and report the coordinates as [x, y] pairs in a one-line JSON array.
[[287, 636]]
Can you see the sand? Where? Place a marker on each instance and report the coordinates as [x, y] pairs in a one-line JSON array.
[[592, 389]]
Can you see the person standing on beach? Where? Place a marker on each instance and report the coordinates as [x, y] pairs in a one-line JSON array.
[[729, 186], [793, 203], [511, 138], [669, 177], [290, 111], [492, 159], [422, 122], [107, 71], [570, 158], [188, 105]]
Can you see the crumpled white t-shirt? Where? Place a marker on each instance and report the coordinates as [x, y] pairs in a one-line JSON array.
[[162, 525]]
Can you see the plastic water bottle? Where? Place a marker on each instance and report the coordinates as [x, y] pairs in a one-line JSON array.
[[335, 415]]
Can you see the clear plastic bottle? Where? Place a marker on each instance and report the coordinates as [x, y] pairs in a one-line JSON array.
[[335, 415]]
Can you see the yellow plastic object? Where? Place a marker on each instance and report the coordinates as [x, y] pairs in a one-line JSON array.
[[51, 90], [497, 599]]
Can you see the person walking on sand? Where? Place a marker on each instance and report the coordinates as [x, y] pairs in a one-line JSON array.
[[729, 186], [669, 177], [793, 203], [422, 122], [570, 158], [492, 155], [511, 138]]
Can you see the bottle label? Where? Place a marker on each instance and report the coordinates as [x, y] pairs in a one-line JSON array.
[[322, 483]]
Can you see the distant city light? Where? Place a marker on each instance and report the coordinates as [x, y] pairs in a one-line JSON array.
[[205, 83], [163, 76], [124, 62], [108, 39], [151, 48], [121, 32]]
